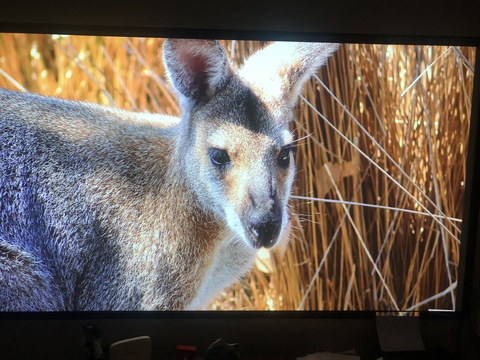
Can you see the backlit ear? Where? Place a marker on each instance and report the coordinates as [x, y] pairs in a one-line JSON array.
[[279, 71], [197, 68]]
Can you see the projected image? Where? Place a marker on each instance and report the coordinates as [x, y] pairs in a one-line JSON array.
[[152, 174]]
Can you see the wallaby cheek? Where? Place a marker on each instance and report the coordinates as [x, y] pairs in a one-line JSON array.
[[211, 186], [200, 177]]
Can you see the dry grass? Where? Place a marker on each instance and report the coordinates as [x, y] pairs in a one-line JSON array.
[[388, 140]]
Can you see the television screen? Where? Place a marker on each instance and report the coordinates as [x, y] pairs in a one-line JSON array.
[[282, 176]]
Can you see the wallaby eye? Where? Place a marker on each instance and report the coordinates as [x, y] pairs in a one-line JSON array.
[[284, 156], [218, 157]]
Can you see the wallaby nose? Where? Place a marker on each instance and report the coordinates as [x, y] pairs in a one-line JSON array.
[[265, 232]]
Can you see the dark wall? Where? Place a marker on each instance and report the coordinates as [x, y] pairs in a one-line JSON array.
[[62, 339], [353, 19]]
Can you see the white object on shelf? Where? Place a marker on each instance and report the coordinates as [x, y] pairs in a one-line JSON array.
[[138, 348]]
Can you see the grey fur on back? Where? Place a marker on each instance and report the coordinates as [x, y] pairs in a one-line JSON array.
[[53, 240], [98, 207]]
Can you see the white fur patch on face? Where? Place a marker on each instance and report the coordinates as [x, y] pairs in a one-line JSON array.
[[234, 223]]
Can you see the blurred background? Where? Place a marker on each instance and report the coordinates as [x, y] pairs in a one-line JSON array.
[[382, 136]]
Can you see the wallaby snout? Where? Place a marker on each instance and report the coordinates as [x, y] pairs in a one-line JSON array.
[[264, 230], [264, 219]]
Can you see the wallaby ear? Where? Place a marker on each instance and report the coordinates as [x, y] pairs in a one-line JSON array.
[[279, 71], [196, 68]]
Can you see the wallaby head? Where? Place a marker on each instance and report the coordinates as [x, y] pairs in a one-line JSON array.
[[236, 146]]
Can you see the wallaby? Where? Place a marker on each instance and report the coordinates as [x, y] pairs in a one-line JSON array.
[[104, 209]]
